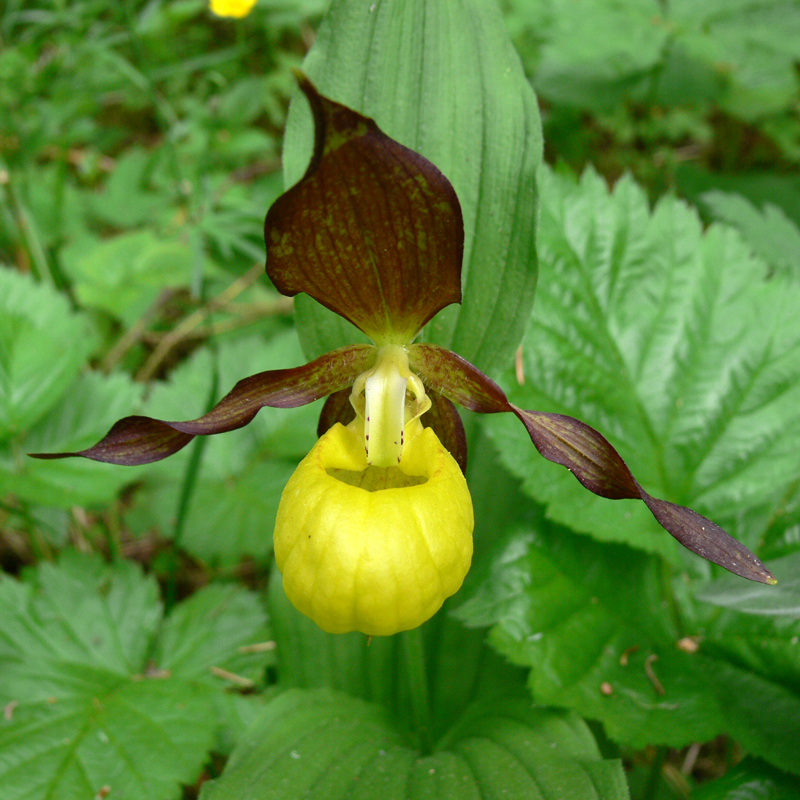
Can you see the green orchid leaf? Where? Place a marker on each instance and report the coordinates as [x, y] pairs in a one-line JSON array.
[[87, 713], [591, 621], [691, 371], [587, 455], [327, 745], [142, 440], [43, 345], [458, 96], [373, 231]]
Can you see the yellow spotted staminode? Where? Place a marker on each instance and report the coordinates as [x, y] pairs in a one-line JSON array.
[[232, 8], [374, 529]]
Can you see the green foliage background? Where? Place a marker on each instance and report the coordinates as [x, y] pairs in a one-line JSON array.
[[146, 646]]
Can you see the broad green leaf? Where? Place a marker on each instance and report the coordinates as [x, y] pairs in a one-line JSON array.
[[124, 275], [456, 95], [326, 745], [459, 665], [750, 780], [753, 43], [216, 626], [748, 598], [595, 52], [83, 414], [43, 345], [602, 632], [691, 371], [768, 231], [87, 710], [737, 54]]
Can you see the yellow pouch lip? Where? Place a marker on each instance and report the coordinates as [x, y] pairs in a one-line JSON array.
[[375, 561]]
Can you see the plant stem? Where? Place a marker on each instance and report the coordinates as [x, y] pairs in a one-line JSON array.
[[654, 778], [414, 655]]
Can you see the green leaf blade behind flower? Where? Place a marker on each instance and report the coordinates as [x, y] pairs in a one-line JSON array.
[[457, 95]]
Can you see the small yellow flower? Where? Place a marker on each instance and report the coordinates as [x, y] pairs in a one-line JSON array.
[[232, 8], [374, 549]]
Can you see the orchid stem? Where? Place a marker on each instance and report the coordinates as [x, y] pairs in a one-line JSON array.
[[414, 655]]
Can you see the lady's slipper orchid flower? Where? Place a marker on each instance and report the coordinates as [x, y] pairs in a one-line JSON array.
[[374, 529]]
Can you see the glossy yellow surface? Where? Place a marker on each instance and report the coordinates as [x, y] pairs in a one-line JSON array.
[[232, 8], [376, 560]]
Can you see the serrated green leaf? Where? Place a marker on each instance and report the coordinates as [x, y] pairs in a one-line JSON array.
[[126, 201], [456, 95], [747, 598], [751, 42], [768, 231], [691, 371], [43, 345], [84, 413], [590, 621], [596, 53], [215, 627], [137, 739], [758, 186], [326, 745], [125, 274], [87, 711]]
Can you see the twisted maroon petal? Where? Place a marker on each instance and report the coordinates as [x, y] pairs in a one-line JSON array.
[[142, 440], [587, 454]]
